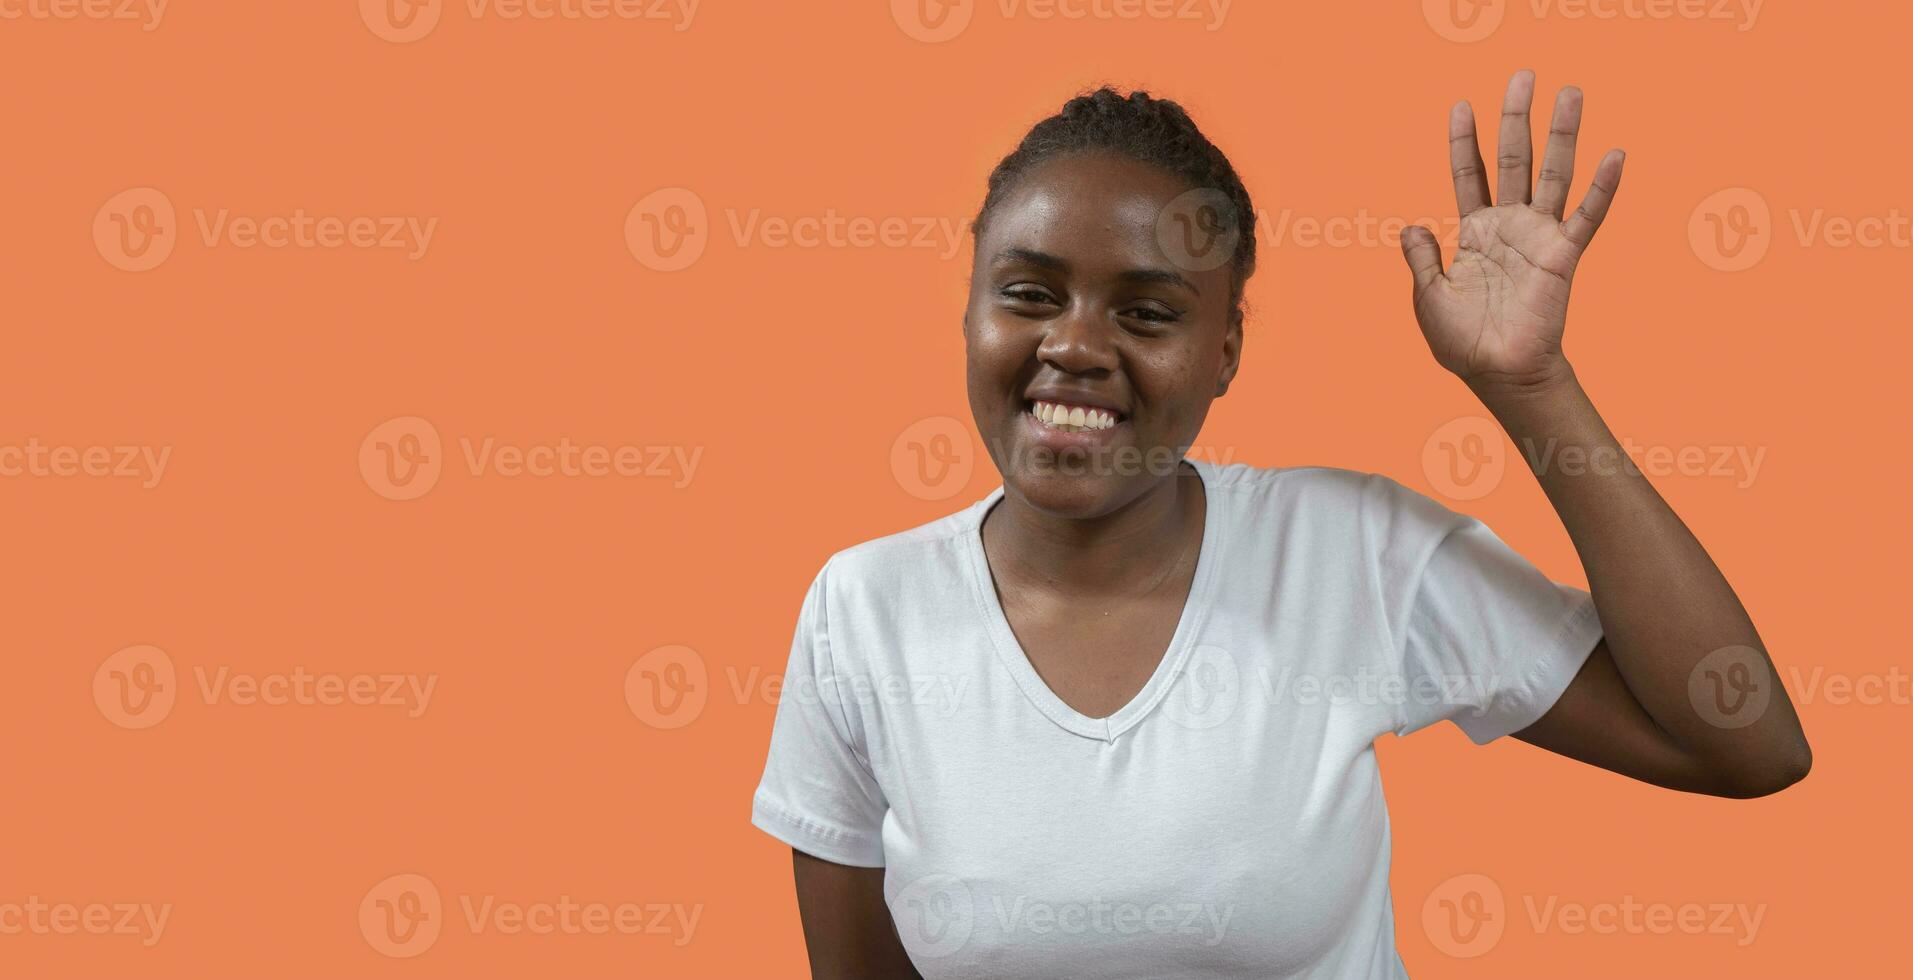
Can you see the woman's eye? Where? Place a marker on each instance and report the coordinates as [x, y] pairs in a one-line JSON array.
[[1152, 314], [1026, 294]]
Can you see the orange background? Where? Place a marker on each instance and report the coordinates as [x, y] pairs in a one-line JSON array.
[[530, 319]]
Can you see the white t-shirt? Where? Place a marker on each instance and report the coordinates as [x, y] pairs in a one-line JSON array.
[[1228, 821]]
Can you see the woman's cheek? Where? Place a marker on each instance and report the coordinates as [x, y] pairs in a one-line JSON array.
[[995, 347], [1175, 398]]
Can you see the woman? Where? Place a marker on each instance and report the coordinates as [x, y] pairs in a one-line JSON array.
[[1116, 719]]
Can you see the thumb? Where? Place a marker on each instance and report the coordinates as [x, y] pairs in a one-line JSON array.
[[1423, 254]]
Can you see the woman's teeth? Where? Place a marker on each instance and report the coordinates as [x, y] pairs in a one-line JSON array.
[[1072, 418]]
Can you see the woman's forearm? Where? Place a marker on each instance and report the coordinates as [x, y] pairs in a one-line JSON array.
[[1679, 636]]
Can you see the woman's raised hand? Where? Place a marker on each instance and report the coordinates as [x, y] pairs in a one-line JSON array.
[[1498, 311]]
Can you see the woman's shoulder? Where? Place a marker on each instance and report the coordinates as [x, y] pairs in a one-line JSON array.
[[1324, 496], [904, 559], [1308, 483]]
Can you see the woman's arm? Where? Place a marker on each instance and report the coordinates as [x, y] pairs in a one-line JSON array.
[[1680, 692], [1665, 608], [847, 926]]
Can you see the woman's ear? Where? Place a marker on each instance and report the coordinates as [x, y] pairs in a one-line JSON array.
[[1231, 353]]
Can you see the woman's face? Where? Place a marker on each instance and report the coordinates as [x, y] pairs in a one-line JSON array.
[[1074, 306]]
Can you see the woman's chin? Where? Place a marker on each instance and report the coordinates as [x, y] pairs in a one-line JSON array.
[[1076, 496], [1077, 474]]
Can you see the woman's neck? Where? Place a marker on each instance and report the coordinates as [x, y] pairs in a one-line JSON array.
[[1126, 552]]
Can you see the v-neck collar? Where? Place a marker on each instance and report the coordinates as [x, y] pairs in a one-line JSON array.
[[1017, 662]]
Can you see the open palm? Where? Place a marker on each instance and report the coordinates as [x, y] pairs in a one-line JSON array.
[[1499, 309]]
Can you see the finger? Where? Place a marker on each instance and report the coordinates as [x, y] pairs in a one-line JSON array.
[[1515, 158], [1423, 254], [1557, 164], [1464, 160], [1586, 219]]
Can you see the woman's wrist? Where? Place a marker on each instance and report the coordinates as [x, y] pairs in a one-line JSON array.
[[1556, 386]]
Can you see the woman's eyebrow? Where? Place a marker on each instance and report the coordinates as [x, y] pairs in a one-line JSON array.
[[1033, 257], [1054, 263], [1165, 276]]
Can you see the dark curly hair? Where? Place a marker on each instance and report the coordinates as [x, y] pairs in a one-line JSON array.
[[1146, 129]]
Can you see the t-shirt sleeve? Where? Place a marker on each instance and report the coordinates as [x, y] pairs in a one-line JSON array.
[[1484, 639], [818, 794]]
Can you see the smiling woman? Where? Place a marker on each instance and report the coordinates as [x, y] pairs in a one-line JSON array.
[[1118, 790]]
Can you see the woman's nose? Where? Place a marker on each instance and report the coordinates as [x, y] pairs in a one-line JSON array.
[[1079, 341]]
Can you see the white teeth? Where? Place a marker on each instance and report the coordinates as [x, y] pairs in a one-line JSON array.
[[1073, 418]]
